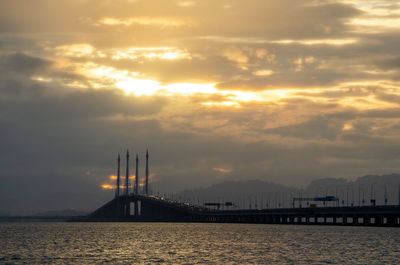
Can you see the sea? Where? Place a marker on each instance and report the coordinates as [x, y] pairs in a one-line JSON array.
[[195, 243]]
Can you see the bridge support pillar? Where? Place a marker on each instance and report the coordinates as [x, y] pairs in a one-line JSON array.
[[127, 208], [390, 221], [367, 220], [378, 220], [355, 219], [275, 219], [284, 219]]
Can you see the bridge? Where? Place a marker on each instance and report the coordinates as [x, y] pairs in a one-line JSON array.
[[141, 206]]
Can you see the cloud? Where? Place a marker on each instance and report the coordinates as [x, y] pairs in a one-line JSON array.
[[264, 72], [22, 63], [389, 64], [222, 170], [285, 91], [236, 55], [158, 21], [318, 127]]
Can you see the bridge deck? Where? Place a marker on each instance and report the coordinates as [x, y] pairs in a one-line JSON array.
[[138, 208]]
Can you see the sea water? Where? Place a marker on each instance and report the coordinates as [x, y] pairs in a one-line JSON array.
[[195, 243]]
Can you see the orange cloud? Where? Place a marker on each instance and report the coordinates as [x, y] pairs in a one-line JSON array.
[[223, 170], [107, 187], [159, 21]]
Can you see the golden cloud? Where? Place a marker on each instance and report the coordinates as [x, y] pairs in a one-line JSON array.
[[154, 21], [223, 170]]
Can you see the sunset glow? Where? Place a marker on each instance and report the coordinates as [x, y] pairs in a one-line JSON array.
[[282, 91], [223, 170], [107, 187]]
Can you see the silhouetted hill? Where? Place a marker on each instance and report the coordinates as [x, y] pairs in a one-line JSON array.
[[66, 212], [268, 194], [365, 187], [241, 193], [3, 214]]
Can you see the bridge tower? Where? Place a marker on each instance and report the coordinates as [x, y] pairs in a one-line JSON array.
[[127, 204], [127, 174], [147, 173], [118, 175], [137, 175]]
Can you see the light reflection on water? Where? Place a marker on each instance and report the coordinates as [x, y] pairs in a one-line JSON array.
[[188, 243]]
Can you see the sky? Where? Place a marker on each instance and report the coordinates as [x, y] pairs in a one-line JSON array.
[[282, 91]]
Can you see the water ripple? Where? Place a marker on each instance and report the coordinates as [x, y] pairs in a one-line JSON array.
[[171, 243]]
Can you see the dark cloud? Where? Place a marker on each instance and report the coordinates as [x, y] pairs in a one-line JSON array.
[[22, 63], [232, 18], [389, 97], [389, 64], [292, 79], [318, 127], [81, 105]]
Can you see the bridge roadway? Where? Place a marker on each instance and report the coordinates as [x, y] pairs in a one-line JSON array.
[[139, 208]]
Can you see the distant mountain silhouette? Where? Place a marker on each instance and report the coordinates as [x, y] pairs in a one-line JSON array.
[[268, 194], [66, 212], [3, 214]]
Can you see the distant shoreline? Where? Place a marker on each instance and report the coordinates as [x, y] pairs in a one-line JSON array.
[[4, 219]]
